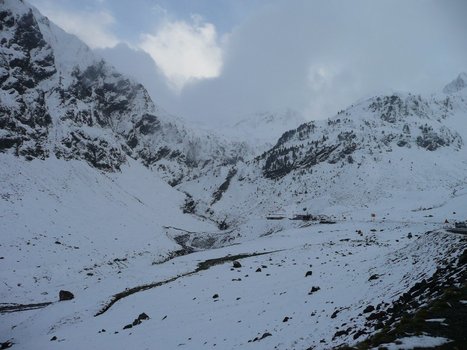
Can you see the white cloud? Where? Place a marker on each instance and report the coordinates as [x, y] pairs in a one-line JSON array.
[[94, 28], [185, 51]]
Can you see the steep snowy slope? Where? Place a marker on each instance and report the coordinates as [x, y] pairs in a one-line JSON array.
[[57, 97], [399, 146], [63, 223], [261, 130]]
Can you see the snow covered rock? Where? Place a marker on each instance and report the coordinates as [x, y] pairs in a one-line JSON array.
[[58, 97], [457, 84]]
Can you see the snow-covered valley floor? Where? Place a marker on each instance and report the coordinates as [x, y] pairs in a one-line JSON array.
[[309, 289]]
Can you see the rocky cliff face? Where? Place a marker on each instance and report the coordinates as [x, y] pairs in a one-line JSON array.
[[58, 98], [380, 124]]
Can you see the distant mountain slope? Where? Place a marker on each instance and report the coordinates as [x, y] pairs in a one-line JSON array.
[[457, 85], [58, 98], [380, 124], [400, 145], [261, 130]]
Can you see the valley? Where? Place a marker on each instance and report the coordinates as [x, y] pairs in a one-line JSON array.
[[324, 234]]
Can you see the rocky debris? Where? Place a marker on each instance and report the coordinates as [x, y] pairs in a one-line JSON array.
[[286, 319], [373, 277], [142, 317], [224, 186], [65, 295], [6, 345], [258, 269], [369, 308], [313, 290], [190, 205], [432, 140], [265, 335], [308, 273], [443, 297], [215, 296], [463, 258], [22, 307], [53, 338], [380, 315], [341, 333], [204, 265], [358, 334], [236, 264]]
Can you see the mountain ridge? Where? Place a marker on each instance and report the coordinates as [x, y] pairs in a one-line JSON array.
[[56, 94]]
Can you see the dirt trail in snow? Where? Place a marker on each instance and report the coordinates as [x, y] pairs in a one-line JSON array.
[[204, 265]]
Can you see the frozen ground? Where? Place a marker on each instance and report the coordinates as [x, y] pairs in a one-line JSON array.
[[109, 217]]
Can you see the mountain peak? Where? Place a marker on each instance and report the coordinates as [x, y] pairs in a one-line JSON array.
[[457, 84]]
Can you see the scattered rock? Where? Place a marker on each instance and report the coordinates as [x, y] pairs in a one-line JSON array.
[[215, 296], [334, 315], [373, 277], [308, 273], [376, 316], [258, 270], [51, 339], [463, 258], [266, 334], [236, 264], [369, 308], [358, 334], [409, 235], [313, 290], [341, 333], [65, 295], [143, 316], [286, 319]]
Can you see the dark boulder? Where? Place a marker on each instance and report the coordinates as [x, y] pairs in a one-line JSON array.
[[313, 290], [369, 308], [65, 295], [143, 316]]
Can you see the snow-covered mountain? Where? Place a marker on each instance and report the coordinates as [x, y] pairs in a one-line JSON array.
[[457, 85], [262, 129], [383, 147], [87, 214], [58, 98]]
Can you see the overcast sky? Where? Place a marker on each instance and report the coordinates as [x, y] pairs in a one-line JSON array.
[[213, 60]]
